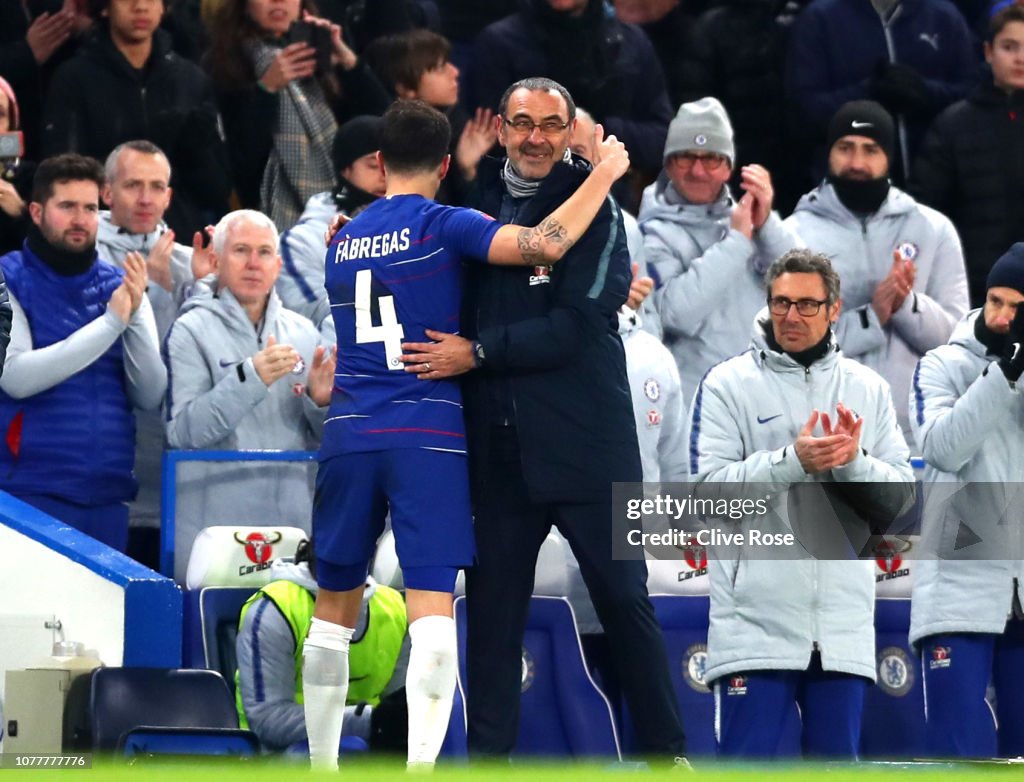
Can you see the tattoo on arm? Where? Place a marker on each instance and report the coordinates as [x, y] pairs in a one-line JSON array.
[[549, 232]]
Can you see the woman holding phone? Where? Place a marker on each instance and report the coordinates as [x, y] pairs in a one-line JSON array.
[[280, 110]]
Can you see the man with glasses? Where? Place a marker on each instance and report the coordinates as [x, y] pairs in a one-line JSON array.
[[901, 262], [787, 414], [550, 427], [700, 244]]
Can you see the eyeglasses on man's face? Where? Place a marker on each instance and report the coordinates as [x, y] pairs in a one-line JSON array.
[[710, 160], [779, 305], [525, 125]]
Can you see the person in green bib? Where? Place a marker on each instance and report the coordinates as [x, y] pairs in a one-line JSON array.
[[272, 625]]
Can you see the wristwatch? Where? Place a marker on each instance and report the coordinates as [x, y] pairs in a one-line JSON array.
[[478, 355]]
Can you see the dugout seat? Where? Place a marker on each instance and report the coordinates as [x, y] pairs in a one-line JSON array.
[[893, 725], [219, 608], [562, 711], [165, 710]]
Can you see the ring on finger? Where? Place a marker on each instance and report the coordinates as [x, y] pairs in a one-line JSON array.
[[426, 366]]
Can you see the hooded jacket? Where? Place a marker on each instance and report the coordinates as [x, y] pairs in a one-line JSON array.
[[710, 278], [301, 282], [969, 421], [861, 251], [970, 168], [768, 614], [215, 400], [98, 100]]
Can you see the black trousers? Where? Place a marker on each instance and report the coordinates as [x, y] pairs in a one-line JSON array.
[[509, 532]]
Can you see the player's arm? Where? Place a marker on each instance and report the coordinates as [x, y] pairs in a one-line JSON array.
[[546, 242]]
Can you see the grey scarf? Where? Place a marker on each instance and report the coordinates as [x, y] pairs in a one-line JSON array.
[[299, 165], [519, 186]]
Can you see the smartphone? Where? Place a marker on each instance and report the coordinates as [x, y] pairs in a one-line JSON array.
[[12, 144], [316, 36]]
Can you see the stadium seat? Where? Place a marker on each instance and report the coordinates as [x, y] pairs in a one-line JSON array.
[[893, 725], [562, 711], [218, 618], [684, 625], [238, 556], [165, 710]]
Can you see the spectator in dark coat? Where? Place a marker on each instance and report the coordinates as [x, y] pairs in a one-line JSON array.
[[912, 56], [747, 80], [126, 83], [35, 38], [609, 67], [669, 25], [972, 163]]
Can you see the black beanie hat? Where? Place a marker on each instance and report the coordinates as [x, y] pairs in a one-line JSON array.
[[1008, 271], [863, 118], [357, 137]]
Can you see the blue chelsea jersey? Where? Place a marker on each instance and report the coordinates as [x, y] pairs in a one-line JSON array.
[[391, 273]]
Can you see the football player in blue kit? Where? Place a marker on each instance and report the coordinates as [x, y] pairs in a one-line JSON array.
[[395, 442]]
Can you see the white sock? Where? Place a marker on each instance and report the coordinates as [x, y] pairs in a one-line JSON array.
[[430, 685], [325, 687]]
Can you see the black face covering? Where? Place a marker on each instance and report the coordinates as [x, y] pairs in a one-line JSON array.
[[860, 196], [66, 263], [995, 344], [805, 357]]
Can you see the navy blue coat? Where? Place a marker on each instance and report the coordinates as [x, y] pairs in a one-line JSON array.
[[836, 45], [556, 344]]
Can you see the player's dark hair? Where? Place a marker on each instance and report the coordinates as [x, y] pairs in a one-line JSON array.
[[414, 137], [58, 169], [803, 261], [1012, 13], [401, 60]]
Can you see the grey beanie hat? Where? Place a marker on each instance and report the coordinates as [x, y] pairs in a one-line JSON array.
[[699, 126]]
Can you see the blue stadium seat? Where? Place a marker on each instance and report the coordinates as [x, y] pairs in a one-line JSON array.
[[563, 712], [684, 625], [893, 725], [218, 618], [157, 710]]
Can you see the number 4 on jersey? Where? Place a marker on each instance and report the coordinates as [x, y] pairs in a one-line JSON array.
[[390, 331]]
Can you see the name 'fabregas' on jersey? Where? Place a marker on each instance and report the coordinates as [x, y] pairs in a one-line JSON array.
[[351, 249]]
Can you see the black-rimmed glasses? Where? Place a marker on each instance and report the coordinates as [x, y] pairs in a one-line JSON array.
[[525, 125], [779, 305]]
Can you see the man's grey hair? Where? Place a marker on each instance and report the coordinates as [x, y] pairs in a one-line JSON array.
[[805, 262], [228, 221], [137, 145], [538, 84]]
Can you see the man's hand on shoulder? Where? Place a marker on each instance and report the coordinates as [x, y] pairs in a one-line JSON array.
[[448, 356]]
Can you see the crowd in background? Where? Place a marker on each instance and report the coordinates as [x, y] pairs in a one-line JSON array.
[[201, 148]]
